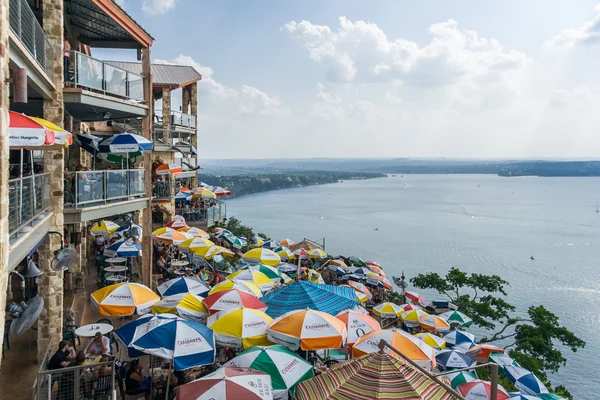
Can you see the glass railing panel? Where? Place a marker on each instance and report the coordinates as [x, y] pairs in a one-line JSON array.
[[137, 185], [115, 80], [116, 184], [162, 190], [192, 121], [88, 71], [28, 198], [14, 220], [90, 186], [136, 87]]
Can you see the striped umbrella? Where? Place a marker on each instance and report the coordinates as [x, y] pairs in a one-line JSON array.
[[456, 317], [317, 254], [244, 286], [340, 263], [308, 330], [230, 299], [416, 298], [525, 380], [482, 352], [196, 232], [270, 272], [434, 323], [162, 230], [410, 307], [356, 261], [168, 169], [193, 244], [480, 390], [88, 142], [256, 277], [383, 281], [287, 268], [387, 310], [287, 242], [125, 143], [412, 318], [229, 383], [521, 396], [460, 339], [204, 194], [135, 229], [377, 270], [124, 248], [240, 327], [373, 376], [411, 347], [550, 396], [262, 256], [304, 294], [502, 360], [126, 332], [208, 253], [286, 254], [104, 228], [286, 368], [123, 299], [177, 224], [454, 359], [357, 324], [315, 277], [458, 378], [270, 244], [186, 305], [220, 192], [236, 242], [175, 237], [24, 132], [434, 341], [256, 242], [182, 285], [183, 196]]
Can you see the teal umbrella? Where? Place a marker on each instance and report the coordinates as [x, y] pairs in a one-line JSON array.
[[458, 378], [502, 360], [456, 317], [550, 396]]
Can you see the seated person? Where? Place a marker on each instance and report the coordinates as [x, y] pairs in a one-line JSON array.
[[135, 382], [63, 356], [99, 345]]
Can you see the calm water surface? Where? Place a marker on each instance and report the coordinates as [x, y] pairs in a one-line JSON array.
[[478, 223]]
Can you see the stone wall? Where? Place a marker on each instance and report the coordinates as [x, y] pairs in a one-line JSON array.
[[146, 223], [166, 114], [4, 104], [194, 111], [51, 283]]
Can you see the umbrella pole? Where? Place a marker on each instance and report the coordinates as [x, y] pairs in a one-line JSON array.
[[21, 186], [168, 380], [151, 375], [33, 174]]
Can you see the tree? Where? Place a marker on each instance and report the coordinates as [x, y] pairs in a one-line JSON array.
[[534, 338], [236, 227]]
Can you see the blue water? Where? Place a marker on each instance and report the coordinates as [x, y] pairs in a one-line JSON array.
[[478, 223]]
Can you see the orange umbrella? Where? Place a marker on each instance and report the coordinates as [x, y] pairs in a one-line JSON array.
[[184, 189], [377, 270], [308, 330], [386, 283], [359, 287], [482, 352], [174, 237], [195, 232], [434, 323], [410, 346], [357, 324]]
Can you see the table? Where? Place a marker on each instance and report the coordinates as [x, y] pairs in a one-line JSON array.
[[180, 263], [115, 260], [91, 329], [92, 360], [116, 268], [115, 278], [179, 272]]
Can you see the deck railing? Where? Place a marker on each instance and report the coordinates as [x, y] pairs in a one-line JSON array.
[[92, 188], [93, 74], [178, 119], [28, 198], [25, 26], [210, 215]]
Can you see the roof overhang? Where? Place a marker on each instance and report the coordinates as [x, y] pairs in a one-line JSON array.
[[36, 76], [86, 106], [22, 246], [75, 216]]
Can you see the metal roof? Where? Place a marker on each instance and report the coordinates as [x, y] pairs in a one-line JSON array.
[[163, 74], [96, 27]]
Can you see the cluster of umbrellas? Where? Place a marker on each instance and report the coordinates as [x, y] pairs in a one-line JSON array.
[[204, 191]]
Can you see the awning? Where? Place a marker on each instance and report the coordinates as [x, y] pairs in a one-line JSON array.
[[168, 169], [36, 133]]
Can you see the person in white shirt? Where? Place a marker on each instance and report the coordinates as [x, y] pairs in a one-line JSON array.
[[99, 345]]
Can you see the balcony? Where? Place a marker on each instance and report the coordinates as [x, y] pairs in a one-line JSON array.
[[95, 85], [203, 217], [181, 141], [97, 194], [162, 191]]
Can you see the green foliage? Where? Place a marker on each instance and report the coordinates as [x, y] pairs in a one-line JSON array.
[[481, 297], [395, 297], [236, 227], [263, 236]]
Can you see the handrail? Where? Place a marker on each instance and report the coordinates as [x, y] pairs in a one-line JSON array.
[[28, 198], [93, 74], [178, 118]]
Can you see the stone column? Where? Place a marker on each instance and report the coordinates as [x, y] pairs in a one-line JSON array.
[[185, 99], [166, 115], [194, 112], [51, 283], [4, 104], [147, 259]]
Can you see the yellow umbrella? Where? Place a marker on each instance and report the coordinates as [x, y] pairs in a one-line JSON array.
[[256, 277], [286, 254], [162, 230], [174, 237], [244, 286], [124, 299], [209, 252], [196, 232], [317, 253], [315, 277], [186, 305], [258, 243], [388, 310], [434, 341], [240, 327], [262, 256], [204, 194], [194, 244], [60, 135], [104, 228], [412, 318]]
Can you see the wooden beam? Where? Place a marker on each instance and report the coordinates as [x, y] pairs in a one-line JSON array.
[[116, 13]]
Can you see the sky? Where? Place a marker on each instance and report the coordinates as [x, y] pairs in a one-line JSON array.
[[385, 78]]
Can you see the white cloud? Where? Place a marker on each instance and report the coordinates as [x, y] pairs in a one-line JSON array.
[[587, 34], [120, 2], [157, 7]]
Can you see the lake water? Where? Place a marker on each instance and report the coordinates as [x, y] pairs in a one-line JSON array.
[[479, 223]]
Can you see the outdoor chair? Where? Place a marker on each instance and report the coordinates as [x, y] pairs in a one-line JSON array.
[[5, 342], [70, 335], [102, 387]]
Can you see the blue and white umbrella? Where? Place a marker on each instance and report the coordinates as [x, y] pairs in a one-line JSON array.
[[287, 267], [521, 396], [125, 143], [184, 284], [126, 332], [461, 339], [124, 248], [183, 196], [88, 142], [336, 268], [502, 360], [222, 233], [188, 343], [524, 380], [271, 244], [134, 228], [454, 359]]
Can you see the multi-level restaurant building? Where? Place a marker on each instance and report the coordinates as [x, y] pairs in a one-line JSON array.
[[49, 197]]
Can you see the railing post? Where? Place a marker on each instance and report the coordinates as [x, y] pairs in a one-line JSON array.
[[20, 14], [76, 383], [49, 386]]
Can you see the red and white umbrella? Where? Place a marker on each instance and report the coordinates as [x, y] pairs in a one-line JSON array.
[[177, 223], [416, 298], [480, 390], [232, 298], [219, 192], [168, 169], [229, 383], [25, 133]]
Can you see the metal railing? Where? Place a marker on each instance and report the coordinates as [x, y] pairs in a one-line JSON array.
[[209, 215], [26, 27], [91, 381], [93, 74], [162, 190], [177, 119], [92, 188], [182, 140], [28, 198]]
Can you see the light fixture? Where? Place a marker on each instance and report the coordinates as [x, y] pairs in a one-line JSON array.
[[106, 115], [32, 270]]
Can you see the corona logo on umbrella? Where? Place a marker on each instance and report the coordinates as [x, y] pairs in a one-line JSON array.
[[124, 299], [240, 327], [308, 330]]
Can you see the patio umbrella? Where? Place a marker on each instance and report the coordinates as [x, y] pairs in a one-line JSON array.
[[482, 352], [460, 339], [387, 310], [188, 343], [262, 256], [229, 383], [220, 192], [162, 230], [134, 228], [520, 396], [434, 341], [124, 248], [410, 307], [175, 237], [550, 396], [456, 317], [186, 305], [301, 254], [412, 318], [196, 232], [182, 196], [177, 224], [411, 347], [357, 324], [340, 263], [287, 242], [502, 360], [451, 359], [308, 330], [373, 376], [236, 242], [364, 271], [208, 253], [123, 299], [525, 380], [168, 169], [382, 281], [304, 294], [204, 194], [26, 133], [286, 368], [458, 378], [240, 327], [317, 254], [315, 277], [356, 261], [125, 143], [230, 299], [220, 232], [104, 228], [378, 270], [270, 244], [434, 323], [270, 272], [183, 285], [126, 332], [360, 296], [88, 142], [287, 268], [286, 254], [244, 286], [361, 288], [480, 390], [256, 277], [337, 269], [194, 243]]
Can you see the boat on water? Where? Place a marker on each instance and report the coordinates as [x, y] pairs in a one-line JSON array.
[[597, 209]]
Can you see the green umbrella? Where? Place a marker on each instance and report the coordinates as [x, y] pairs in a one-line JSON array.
[[550, 396], [456, 317], [502, 360], [119, 158], [357, 261], [458, 378], [236, 242], [271, 272], [286, 368]]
